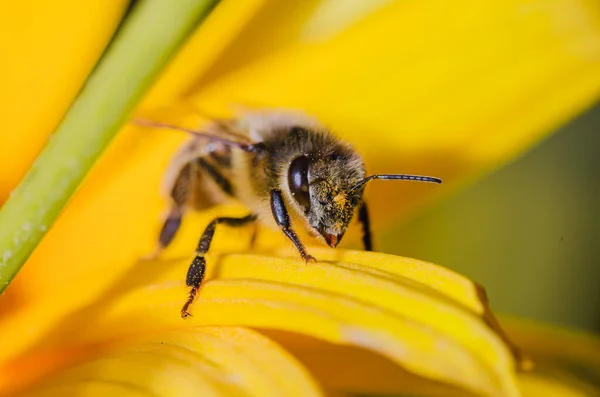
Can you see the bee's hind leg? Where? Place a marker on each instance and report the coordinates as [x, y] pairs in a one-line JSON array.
[[180, 194], [195, 273], [167, 232]]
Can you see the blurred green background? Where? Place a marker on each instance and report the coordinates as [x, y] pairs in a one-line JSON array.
[[529, 232]]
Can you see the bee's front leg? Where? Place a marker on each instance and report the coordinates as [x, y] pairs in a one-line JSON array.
[[363, 218], [283, 221], [195, 273]]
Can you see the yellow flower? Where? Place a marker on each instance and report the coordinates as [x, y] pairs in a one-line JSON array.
[[449, 89]]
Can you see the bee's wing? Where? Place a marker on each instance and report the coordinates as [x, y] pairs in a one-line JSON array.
[[227, 126], [221, 131]]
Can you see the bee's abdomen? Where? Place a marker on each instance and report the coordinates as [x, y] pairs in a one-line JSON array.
[[216, 175], [221, 155]]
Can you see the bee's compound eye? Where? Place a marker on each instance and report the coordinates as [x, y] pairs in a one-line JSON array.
[[298, 181]]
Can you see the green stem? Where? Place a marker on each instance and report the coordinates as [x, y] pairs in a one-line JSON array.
[[152, 32]]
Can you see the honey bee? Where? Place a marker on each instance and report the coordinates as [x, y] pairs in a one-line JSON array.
[[281, 166]]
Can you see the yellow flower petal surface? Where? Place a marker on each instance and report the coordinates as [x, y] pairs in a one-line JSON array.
[[534, 386], [48, 50], [432, 337], [456, 349], [210, 361], [241, 32], [200, 52], [567, 363]]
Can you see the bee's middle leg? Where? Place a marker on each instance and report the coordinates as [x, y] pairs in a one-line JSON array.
[[180, 194], [195, 273], [283, 221]]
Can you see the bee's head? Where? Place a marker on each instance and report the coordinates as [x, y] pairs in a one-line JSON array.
[[327, 181], [322, 189]]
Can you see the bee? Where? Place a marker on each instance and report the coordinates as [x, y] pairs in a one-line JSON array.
[[281, 166]]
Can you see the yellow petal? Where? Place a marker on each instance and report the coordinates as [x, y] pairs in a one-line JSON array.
[[567, 362], [428, 334], [238, 33], [48, 50], [209, 361], [534, 385], [556, 345], [425, 87], [212, 37]]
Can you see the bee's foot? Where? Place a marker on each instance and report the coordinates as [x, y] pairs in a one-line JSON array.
[[309, 259], [185, 313]]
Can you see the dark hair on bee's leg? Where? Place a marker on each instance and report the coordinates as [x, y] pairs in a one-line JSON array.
[[363, 217], [196, 271], [283, 221]]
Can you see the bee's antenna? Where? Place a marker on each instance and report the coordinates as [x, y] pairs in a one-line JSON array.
[[248, 147], [405, 177]]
